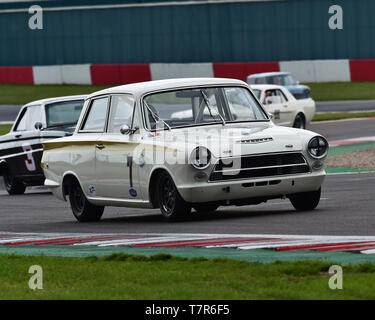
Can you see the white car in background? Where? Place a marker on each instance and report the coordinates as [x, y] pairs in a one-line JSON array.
[[286, 110]]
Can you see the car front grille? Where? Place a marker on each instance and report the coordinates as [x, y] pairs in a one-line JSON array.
[[267, 165]]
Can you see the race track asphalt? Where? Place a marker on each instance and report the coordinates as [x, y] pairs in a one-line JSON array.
[[345, 106], [344, 129], [8, 113], [346, 208]]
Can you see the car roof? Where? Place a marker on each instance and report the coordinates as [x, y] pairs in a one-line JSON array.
[[141, 88], [56, 99], [268, 74], [265, 86]]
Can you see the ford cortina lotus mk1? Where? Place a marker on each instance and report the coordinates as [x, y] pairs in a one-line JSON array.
[[181, 144]]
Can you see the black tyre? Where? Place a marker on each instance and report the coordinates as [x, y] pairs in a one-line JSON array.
[[299, 122], [205, 207], [171, 204], [12, 185], [305, 201], [83, 210]]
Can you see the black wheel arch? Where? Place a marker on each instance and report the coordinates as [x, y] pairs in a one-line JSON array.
[[67, 181], [152, 186]]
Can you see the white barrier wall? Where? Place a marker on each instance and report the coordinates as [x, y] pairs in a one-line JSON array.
[[332, 70], [304, 71], [47, 75], [76, 74], [65, 74], [180, 70], [318, 70]]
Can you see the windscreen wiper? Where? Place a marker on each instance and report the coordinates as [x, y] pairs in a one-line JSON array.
[[156, 117], [207, 102]]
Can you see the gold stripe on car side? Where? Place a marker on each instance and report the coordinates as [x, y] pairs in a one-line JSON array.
[[110, 145]]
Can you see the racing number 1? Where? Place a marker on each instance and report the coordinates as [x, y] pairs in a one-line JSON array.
[[30, 162]]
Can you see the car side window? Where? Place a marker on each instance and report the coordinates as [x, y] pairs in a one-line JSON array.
[[282, 96], [274, 97], [122, 109], [95, 119], [28, 119]]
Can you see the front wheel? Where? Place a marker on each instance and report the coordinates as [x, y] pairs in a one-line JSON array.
[[306, 200], [83, 210], [12, 185], [171, 204]]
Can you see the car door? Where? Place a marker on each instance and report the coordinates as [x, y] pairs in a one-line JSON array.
[[25, 148], [116, 170], [86, 144]]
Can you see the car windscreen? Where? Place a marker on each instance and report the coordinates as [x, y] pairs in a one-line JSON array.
[[64, 113], [199, 106], [282, 80]]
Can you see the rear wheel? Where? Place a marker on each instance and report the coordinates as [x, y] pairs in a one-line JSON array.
[[305, 201], [12, 185], [205, 207], [83, 210], [171, 204], [299, 121]]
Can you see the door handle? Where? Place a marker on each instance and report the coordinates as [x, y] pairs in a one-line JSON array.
[[100, 146], [18, 135]]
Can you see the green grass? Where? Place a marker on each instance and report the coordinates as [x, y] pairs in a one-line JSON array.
[[342, 91], [4, 128], [342, 115], [164, 277], [22, 94]]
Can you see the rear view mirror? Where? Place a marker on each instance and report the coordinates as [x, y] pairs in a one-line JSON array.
[[38, 125], [125, 129]]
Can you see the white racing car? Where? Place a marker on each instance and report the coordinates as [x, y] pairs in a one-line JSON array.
[[286, 110], [129, 149]]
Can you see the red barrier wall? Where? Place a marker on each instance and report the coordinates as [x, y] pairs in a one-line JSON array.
[[105, 74], [240, 70], [362, 70], [16, 75], [113, 74]]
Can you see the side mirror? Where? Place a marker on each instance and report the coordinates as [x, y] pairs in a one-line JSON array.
[[38, 125], [270, 115], [125, 129]]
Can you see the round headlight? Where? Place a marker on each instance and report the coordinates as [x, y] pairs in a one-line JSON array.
[[200, 158], [318, 147]]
